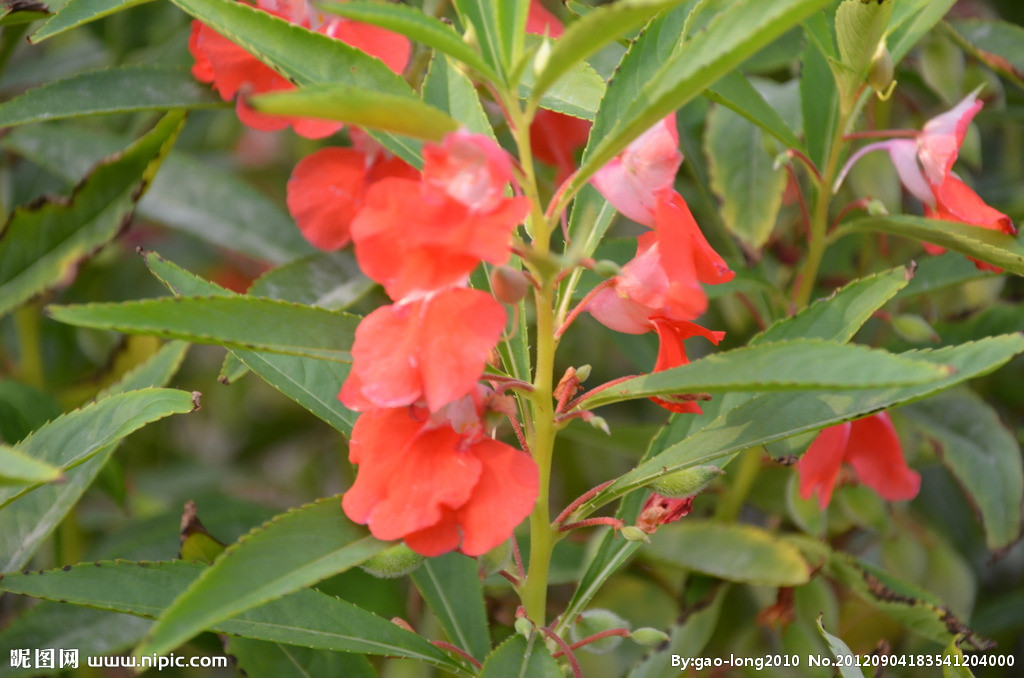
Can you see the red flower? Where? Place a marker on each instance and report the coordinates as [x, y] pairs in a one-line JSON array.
[[542, 22], [672, 353], [425, 482], [231, 69], [555, 138], [872, 447], [659, 510], [431, 349], [955, 201], [327, 189], [418, 237]]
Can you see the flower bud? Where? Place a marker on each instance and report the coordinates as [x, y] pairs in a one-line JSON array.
[[540, 61], [391, 563], [685, 483], [914, 328], [648, 636], [880, 73], [509, 286], [634, 533], [877, 208], [524, 627], [582, 372], [606, 268], [593, 622]]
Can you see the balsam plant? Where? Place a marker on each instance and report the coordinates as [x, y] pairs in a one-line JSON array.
[[493, 206]]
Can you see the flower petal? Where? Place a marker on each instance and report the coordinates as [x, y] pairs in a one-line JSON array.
[[875, 453], [324, 192], [819, 466]]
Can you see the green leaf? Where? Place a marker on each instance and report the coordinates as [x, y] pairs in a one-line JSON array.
[[24, 408], [926, 15], [518, 658], [915, 609], [364, 107], [755, 556], [839, 316], [957, 667], [841, 651], [740, 30], [414, 24], [31, 518], [979, 243], [73, 438], [735, 91], [982, 455], [447, 88], [690, 635], [612, 554], [743, 177], [577, 93], [799, 364], [188, 194], [42, 243], [314, 384], [123, 89], [499, 29], [451, 586], [1000, 45], [78, 12], [591, 33], [819, 94], [768, 417], [306, 618], [293, 550], [19, 469], [860, 27], [260, 659], [22, 13], [331, 280], [234, 322]]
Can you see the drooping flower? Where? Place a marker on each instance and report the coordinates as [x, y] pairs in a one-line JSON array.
[[659, 510], [871, 446], [925, 167], [327, 189], [431, 349], [415, 237], [672, 353], [233, 70], [437, 488], [642, 175]]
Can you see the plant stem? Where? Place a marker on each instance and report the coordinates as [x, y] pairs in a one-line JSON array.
[[30, 363]]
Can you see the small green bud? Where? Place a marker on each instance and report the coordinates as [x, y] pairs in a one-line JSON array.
[[496, 559], [524, 627], [914, 328], [880, 73], [582, 372], [391, 563], [592, 622], [876, 208], [509, 285], [599, 423], [783, 159], [685, 483], [634, 533], [606, 268], [540, 61], [648, 636]]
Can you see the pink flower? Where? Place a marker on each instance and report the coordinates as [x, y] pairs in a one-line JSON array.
[[635, 180], [423, 481], [231, 69], [327, 189], [659, 510], [872, 447], [432, 349]]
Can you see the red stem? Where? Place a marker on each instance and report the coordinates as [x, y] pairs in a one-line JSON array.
[[861, 204], [511, 577], [591, 522], [793, 153], [882, 134], [459, 651], [585, 497], [800, 198], [519, 434], [582, 305], [577, 672], [622, 633], [598, 389], [518, 557]]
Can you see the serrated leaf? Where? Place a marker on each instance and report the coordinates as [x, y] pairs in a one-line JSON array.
[[24, 408], [743, 177], [306, 618], [331, 280], [73, 438], [260, 659], [75, 13], [578, 91], [915, 25], [593, 32], [294, 550], [20, 469], [841, 651], [122, 89], [449, 89], [860, 27], [740, 30], [414, 24], [314, 384], [819, 94], [769, 417], [41, 244], [451, 586], [999, 44], [234, 322], [517, 658], [798, 364], [364, 107], [735, 91], [499, 28], [31, 518], [188, 195], [980, 243], [755, 556], [981, 454]]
